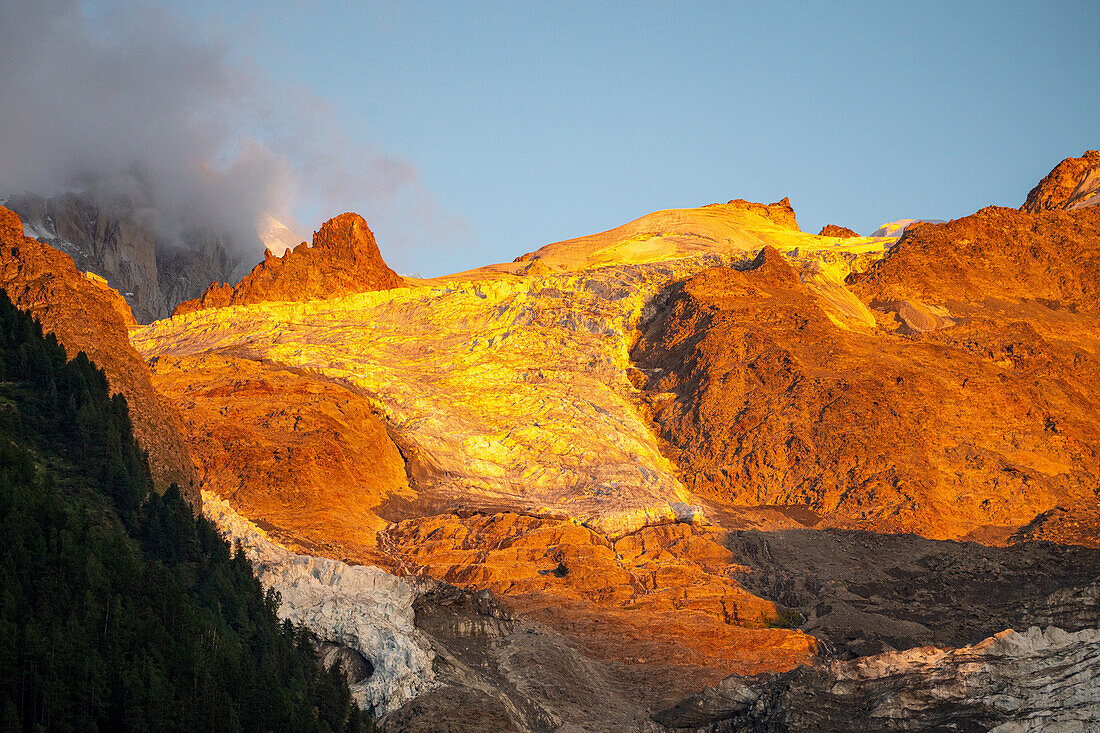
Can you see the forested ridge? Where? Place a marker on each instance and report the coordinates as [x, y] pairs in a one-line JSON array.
[[120, 610]]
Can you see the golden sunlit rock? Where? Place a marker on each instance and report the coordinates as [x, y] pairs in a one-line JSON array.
[[343, 258], [87, 315], [588, 433]]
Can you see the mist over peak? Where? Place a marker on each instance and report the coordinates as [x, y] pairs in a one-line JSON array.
[[138, 110]]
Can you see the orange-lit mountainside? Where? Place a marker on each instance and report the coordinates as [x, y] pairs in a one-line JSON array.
[[703, 471], [1073, 184], [342, 259], [87, 315]]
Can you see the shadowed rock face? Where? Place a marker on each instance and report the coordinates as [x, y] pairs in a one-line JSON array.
[[344, 259], [866, 593], [121, 243], [1073, 184], [969, 409], [87, 315], [781, 212], [1033, 680]]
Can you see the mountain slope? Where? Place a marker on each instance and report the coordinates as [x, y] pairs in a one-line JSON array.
[[584, 439], [121, 611], [968, 408], [87, 315]]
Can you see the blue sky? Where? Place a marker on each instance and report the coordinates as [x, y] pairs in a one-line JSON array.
[[528, 123]]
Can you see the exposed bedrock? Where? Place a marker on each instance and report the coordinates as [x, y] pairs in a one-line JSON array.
[[1073, 184], [342, 259], [835, 230], [85, 314], [1039, 679], [967, 413], [865, 593]]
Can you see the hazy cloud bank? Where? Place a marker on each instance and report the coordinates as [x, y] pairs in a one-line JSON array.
[[134, 106]]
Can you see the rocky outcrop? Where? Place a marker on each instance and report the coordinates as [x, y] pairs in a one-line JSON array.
[[1039, 679], [985, 420], [1073, 184], [833, 230], [1049, 259], [781, 212], [1073, 525], [87, 315], [864, 593], [309, 457], [121, 242], [672, 592], [343, 259]]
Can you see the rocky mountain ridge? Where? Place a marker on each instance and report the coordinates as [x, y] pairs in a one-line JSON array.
[[596, 479], [122, 243], [1073, 184], [343, 259], [87, 315]]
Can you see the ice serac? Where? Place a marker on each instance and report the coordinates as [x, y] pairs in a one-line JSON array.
[[1073, 184], [357, 607], [343, 259], [1039, 679], [966, 412], [87, 315]]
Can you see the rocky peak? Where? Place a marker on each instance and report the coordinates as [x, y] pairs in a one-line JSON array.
[[347, 235], [834, 230], [780, 212], [343, 259], [1073, 184], [11, 228], [769, 265]]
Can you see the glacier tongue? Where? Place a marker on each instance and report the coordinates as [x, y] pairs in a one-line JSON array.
[[360, 607]]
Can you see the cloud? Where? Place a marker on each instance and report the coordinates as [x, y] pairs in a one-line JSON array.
[[134, 106]]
